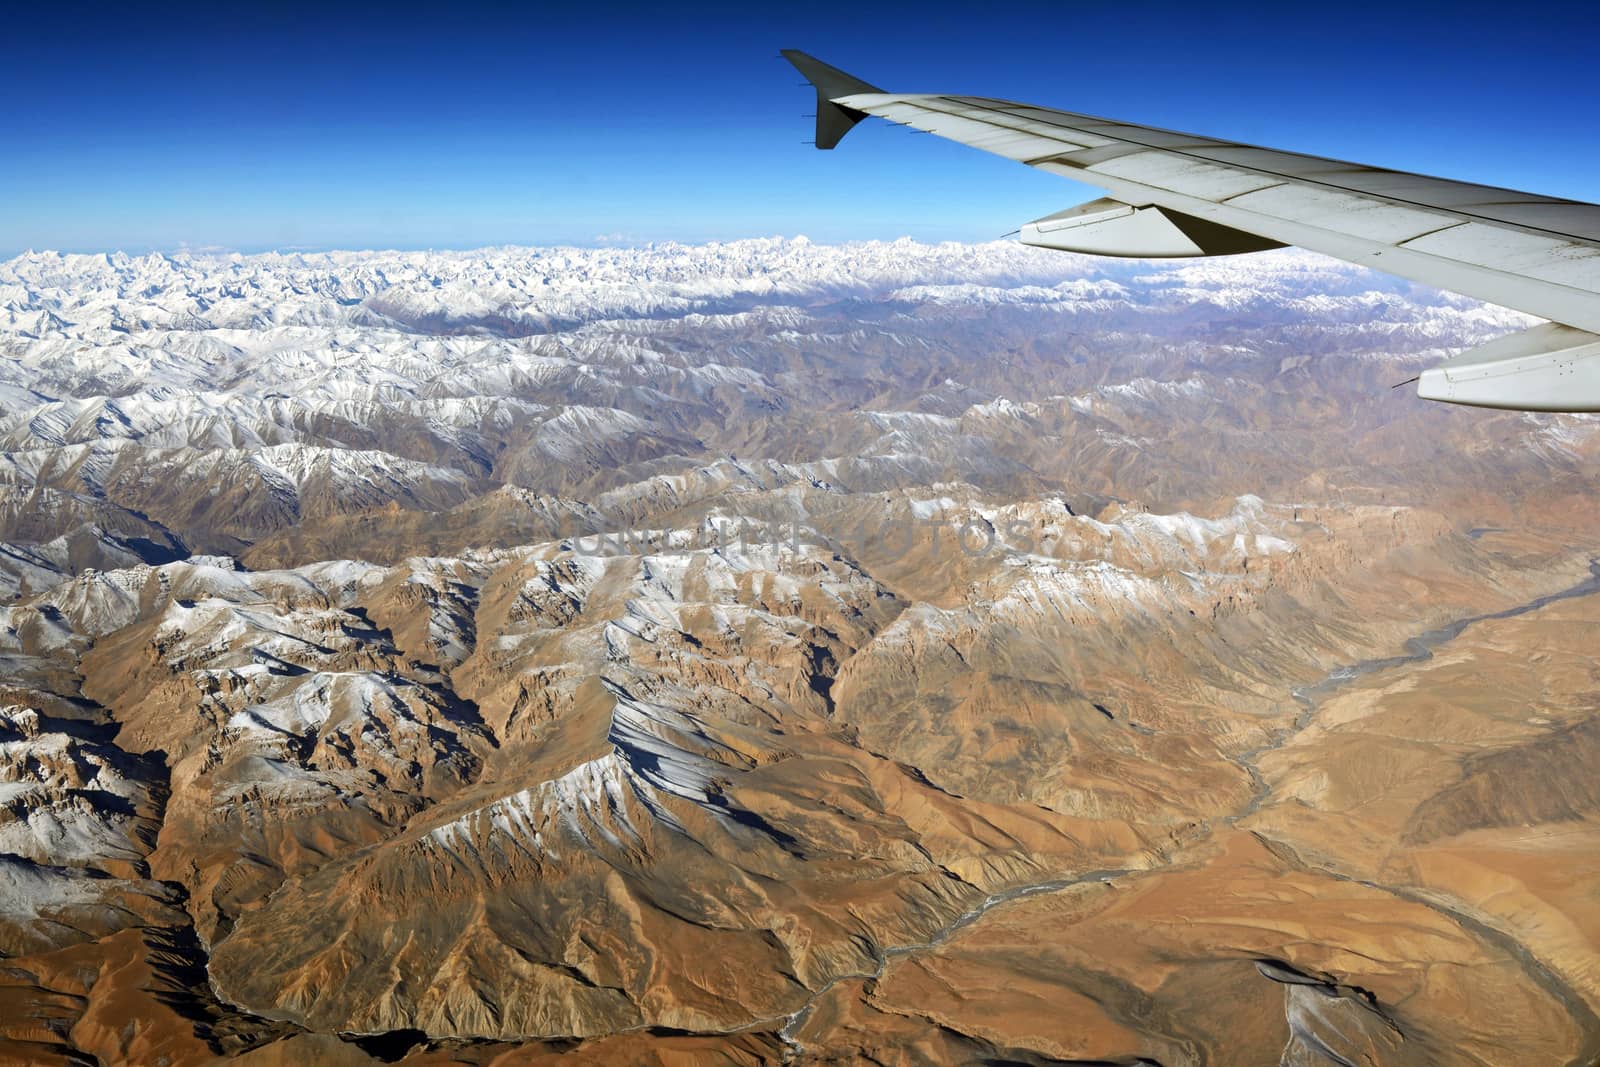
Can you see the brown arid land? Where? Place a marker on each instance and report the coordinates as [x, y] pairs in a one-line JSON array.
[[780, 653]]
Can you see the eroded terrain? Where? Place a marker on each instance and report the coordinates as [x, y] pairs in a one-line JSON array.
[[770, 652]]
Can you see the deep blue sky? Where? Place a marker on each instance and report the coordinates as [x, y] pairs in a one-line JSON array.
[[142, 127]]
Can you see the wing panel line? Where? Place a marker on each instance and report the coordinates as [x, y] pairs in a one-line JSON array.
[[989, 118]]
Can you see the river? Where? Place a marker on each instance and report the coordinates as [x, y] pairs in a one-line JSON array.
[[1310, 698]]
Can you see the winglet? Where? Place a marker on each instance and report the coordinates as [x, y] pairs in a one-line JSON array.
[[833, 120]]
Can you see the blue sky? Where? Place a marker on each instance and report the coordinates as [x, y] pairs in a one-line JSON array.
[[154, 127]]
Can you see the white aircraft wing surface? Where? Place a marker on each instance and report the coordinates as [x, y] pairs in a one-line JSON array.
[[1179, 194]]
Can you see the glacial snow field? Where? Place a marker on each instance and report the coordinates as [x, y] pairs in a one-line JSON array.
[[775, 652]]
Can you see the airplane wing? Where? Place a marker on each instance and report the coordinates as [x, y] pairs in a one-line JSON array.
[[1177, 194]]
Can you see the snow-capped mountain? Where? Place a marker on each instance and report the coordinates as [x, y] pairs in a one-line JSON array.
[[773, 652], [220, 400]]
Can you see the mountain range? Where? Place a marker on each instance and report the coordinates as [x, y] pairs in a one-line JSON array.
[[775, 652]]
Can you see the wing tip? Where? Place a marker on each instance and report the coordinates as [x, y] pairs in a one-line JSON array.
[[833, 120], [828, 79]]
